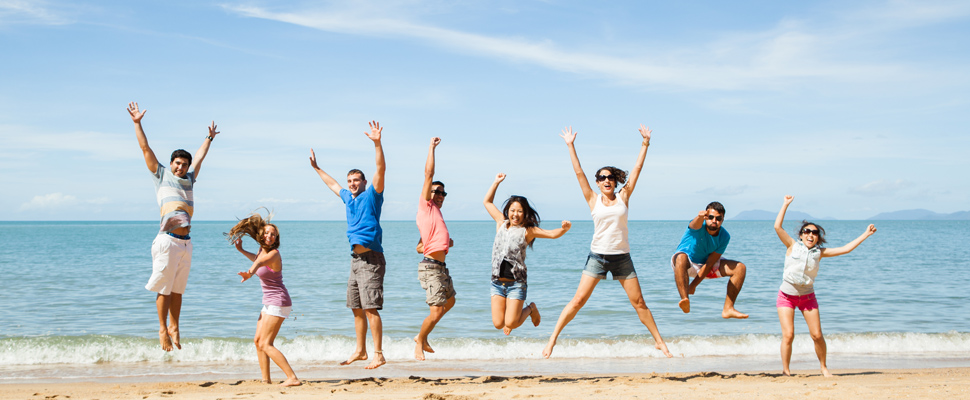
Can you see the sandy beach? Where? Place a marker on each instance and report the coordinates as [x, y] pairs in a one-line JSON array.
[[944, 383]]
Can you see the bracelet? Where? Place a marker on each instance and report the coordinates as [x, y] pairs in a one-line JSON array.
[[645, 143], [208, 137]]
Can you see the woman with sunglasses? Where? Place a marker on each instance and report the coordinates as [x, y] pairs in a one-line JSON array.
[[797, 286], [610, 249], [517, 225], [268, 266]]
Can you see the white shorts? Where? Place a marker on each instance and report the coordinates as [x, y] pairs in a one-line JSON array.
[[171, 262], [696, 268], [277, 311]]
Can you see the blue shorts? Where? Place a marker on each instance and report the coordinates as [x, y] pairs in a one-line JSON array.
[[619, 265], [514, 290]]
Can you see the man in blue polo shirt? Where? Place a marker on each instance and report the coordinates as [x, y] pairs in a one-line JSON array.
[[699, 256], [365, 287]]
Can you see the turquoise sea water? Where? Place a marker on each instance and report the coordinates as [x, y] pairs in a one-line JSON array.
[[75, 306]]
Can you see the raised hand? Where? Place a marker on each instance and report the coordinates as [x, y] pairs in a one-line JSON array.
[[313, 159], [245, 275], [136, 115], [499, 177], [238, 243], [870, 230], [568, 135], [566, 225], [375, 131], [788, 199], [645, 132], [212, 129], [435, 141]]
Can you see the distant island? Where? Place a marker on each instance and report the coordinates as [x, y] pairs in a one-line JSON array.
[[903, 215]]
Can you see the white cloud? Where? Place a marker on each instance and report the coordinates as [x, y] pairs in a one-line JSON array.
[[785, 55], [29, 12], [50, 201], [880, 188], [98, 144]]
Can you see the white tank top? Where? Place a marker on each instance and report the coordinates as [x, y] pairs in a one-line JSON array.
[[609, 227]]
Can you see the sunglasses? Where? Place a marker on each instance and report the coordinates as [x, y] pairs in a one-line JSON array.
[[810, 231], [441, 192], [600, 178], [711, 218]]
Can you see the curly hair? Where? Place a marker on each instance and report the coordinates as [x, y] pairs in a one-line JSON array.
[[618, 174], [531, 219], [254, 226], [821, 231]]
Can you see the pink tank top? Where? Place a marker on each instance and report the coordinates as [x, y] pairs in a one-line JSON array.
[[274, 293], [434, 232]]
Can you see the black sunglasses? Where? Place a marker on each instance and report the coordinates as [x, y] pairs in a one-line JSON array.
[[711, 217], [600, 178], [441, 192], [812, 231]]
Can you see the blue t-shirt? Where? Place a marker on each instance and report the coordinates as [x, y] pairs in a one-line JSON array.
[[364, 218], [698, 244]]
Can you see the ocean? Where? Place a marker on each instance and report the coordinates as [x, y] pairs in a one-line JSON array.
[[75, 307]]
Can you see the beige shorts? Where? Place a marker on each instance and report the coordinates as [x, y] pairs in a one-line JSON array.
[[171, 262], [696, 268], [436, 282]]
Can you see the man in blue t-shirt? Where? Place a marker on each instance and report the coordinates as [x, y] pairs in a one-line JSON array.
[[365, 287], [699, 256]]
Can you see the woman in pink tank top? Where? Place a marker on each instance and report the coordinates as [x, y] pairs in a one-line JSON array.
[[268, 265]]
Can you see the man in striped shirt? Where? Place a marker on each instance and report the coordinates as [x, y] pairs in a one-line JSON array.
[[172, 248]]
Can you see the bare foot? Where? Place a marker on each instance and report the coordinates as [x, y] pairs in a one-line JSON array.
[[420, 348], [546, 352], [173, 333], [786, 372], [268, 381], [732, 313], [507, 330], [164, 339], [291, 382], [378, 360], [684, 305], [536, 318], [826, 373], [355, 357], [663, 347]]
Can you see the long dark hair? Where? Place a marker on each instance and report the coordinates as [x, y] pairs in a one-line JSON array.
[[254, 226], [821, 231], [531, 219], [618, 174]]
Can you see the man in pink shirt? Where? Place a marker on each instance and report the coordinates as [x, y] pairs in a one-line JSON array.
[[434, 244]]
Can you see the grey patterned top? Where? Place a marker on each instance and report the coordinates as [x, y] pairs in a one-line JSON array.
[[509, 246]]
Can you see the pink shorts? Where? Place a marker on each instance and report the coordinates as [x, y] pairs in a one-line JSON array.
[[805, 302]]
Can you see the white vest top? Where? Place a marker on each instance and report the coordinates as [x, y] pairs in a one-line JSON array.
[[609, 227]]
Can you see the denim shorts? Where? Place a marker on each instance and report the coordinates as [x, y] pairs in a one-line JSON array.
[[619, 265], [514, 290]]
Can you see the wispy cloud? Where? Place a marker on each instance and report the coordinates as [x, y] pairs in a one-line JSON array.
[[98, 144], [30, 12], [788, 54], [46, 202], [880, 188]]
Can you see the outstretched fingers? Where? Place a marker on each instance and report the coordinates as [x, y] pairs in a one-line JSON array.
[[568, 135], [645, 131], [375, 131]]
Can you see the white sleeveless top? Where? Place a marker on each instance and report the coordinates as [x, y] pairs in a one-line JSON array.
[[801, 268], [609, 227]]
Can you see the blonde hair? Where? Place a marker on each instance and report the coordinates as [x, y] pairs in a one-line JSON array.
[[254, 226]]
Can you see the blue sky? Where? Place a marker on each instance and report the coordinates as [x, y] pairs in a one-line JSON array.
[[855, 108]]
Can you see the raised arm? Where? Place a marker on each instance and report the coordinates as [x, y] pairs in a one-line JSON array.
[[493, 211], [838, 251], [375, 135], [539, 233], [698, 221], [570, 137], [631, 183], [270, 258], [203, 150], [429, 170], [330, 182], [784, 236], [136, 115], [250, 256]]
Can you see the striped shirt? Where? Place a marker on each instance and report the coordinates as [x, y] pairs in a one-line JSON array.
[[174, 196]]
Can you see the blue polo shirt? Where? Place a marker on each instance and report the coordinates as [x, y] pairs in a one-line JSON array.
[[698, 244], [363, 218]]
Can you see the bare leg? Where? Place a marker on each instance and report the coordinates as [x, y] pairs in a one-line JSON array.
[[435, 315], [268, 330], [681, 264], [633, 292], [377, 331], [786, 316], [162, 303], [534, 314], [736, 271], [515, 315], [360, 329], [586, 285], [174, 311], [498, 312], [260, 354], [814, 322]]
